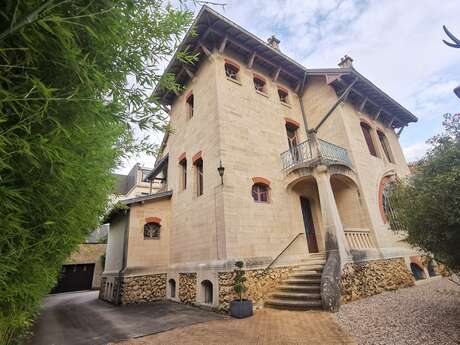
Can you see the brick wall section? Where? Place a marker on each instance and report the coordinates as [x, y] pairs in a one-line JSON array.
[[259, 284], [369, 278], [144, 289], [187, 287]]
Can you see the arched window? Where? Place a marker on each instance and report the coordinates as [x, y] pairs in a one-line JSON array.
[[172, 288], [260, 192], [389, 214], [231, 70], [385, 146], [368, 136], [206, 286], [152, 231], [259, 84], [283, 95]]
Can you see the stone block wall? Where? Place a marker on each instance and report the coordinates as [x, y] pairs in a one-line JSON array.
[[259, 284], [187, 287], [143, 289], [369, 278]]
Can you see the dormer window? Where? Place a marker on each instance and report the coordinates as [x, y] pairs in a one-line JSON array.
[[190, 105], [283, 95], [259, 84], [231, 70]]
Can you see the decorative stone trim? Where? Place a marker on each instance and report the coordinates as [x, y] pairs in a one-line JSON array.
[[181, 157], [259, 283], [143, 289], [187, 287], [292, 122], [234, 64], [196, 156], [369, 278], [153, 220], [262, 180]]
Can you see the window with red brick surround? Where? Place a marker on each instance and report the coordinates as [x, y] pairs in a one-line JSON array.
[[231, 70]]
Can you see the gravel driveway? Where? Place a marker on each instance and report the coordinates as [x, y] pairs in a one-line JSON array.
[[425, 314]]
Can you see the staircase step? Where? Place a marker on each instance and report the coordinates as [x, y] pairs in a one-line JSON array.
[[296, 281], [296, 305], [295, 295], [305, 274], [313, 261], [308, 268], [299, 288]]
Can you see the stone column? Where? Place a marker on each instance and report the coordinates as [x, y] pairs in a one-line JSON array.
[[334, 234]]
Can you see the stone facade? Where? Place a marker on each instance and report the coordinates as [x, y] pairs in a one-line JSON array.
[[259, 283], [187, 287], [143, 289], [369, 278], [90, 253]]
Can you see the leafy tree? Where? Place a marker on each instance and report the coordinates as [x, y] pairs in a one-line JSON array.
[[428, 203], [74, 81]]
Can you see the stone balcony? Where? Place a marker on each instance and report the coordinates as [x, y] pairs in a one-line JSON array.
[[313, 152]]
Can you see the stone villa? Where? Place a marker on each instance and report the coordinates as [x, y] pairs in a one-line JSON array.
[[282, 166]]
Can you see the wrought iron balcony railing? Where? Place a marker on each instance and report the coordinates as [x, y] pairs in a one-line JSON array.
[[312, 150]]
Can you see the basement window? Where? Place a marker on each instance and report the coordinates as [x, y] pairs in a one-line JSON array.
[[283, 95]]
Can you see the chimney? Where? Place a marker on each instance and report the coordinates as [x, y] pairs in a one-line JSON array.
[[274, 42], [346, 62]]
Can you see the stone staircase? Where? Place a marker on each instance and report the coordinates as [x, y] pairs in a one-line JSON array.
[[302, 289]]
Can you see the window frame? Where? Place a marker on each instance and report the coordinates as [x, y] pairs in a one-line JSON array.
[[281, 90], [385, 144], [190, 102], [158, 231], [235, 67], [371, 147], [257, 195], [199, 178], [258, 78], [183, 173]]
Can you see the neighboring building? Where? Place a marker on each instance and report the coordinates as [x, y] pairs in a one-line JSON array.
[[82, 271], [309, 156]]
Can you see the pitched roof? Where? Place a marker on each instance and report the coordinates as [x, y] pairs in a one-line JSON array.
[[210, 27]]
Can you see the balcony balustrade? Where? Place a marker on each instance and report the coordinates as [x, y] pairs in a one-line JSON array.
[[312, 151]]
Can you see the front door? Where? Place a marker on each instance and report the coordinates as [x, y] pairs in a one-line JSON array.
[[309, 226]]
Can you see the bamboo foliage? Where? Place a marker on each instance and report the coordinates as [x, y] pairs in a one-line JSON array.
[[74, 85]]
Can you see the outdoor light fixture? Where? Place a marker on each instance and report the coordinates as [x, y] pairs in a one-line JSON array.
[[221, 170]]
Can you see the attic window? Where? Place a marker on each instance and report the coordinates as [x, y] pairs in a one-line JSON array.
[[152, 231], [259, 84], [283, 94], [231, 71]]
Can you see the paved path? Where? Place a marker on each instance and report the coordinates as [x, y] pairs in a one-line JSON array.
[[79, 318], [266, 327], [427, 314]]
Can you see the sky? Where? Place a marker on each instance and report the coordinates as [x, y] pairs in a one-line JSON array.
[[395, 44]]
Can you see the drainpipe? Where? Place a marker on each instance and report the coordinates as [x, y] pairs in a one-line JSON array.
[[302, 89]]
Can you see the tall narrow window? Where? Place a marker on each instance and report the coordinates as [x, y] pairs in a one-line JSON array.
[[199, 176], [283, 95], [385, 145], [231, 71], [183, 170], [368, 136], [291, 132], [190, 105]]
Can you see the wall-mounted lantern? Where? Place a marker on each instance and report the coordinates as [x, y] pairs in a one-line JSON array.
[[221, 171]]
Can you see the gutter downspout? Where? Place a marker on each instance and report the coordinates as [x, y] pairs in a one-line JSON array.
[[124, 261], [302, 89]]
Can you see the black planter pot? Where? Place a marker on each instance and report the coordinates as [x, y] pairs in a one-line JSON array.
[[241, 309]]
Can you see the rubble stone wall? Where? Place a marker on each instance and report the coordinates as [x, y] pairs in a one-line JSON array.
[[143, 289], [259, 284], [187, 287], [363, 279]]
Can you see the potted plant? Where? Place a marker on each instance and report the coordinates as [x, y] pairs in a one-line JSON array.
[[240, 308]]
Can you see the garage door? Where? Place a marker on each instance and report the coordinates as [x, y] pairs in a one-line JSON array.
[[74, 278]]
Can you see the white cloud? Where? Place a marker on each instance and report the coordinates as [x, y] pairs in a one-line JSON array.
[[416, 151]]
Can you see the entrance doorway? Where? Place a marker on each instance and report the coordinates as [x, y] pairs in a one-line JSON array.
[[309, 226]]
